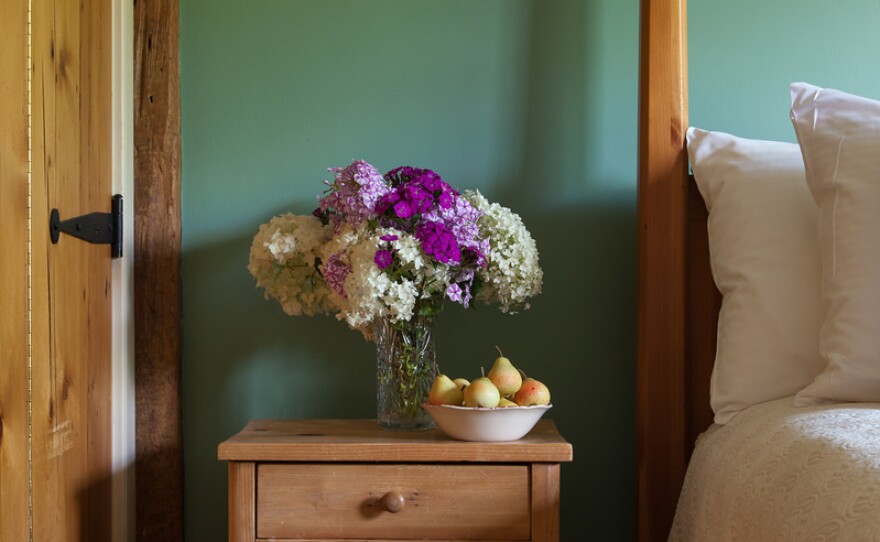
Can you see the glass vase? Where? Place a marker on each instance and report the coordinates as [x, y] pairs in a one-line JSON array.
[[405, 371]]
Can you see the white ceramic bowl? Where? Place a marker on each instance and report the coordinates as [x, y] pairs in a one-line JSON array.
[[486, 424]]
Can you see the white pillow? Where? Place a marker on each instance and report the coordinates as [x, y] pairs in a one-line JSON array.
[[765, 261], [839, 136]]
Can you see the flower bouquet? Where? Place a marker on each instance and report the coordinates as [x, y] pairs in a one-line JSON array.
[[383, 253]]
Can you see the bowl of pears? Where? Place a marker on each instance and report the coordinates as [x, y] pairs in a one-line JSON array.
[[500, 406]]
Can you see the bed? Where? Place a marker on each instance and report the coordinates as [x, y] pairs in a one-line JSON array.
[[733, 469]]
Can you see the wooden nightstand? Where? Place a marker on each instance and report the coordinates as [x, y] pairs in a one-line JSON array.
[[310, 480]]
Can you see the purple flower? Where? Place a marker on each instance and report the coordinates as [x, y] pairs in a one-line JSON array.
[[382, 258], [439, 242], [458, 294], [403, 209], [431, 180], [453, 292], [461, 219], [335, 270], [389, 238], [419, 198], [417, 192], [446, 200], [385, 202]]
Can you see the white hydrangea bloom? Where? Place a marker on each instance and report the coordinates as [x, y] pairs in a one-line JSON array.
[[281, 245], [408, 249], [513, 273], [400, 299], [283, 261], [365, 285]]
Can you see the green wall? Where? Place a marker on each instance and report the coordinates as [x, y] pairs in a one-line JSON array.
[[743, 55], [532, 102]]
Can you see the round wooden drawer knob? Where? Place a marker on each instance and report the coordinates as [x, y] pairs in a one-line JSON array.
[[393, 501]]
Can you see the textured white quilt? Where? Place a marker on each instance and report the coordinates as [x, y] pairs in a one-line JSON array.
[[778, 473]]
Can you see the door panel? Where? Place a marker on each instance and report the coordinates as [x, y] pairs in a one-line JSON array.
[[13, 272], [70, 281]]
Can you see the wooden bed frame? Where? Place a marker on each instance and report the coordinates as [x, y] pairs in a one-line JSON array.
[[678, 302]]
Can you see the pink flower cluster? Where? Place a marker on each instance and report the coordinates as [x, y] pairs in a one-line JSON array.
[[353, 195]]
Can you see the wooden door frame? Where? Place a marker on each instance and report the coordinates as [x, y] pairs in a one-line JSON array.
[[157, 292]]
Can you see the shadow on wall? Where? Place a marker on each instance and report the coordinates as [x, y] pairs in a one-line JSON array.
[[579, 336], [246, 359], [578, 339]]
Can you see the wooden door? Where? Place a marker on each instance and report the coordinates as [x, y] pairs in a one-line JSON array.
[[14, 445], [55, 324]]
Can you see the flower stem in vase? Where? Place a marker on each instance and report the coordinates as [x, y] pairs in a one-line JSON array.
[[406, 367]]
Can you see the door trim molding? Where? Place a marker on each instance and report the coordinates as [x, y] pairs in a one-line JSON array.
[[122, 372], [157, 294]]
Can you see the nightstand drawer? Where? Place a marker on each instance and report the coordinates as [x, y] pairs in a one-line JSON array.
[[442, 502]]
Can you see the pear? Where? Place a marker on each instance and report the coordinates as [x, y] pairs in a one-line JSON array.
[[482, 393], [462, 383], [505, 376], [503, 403], [532, 392], [444, 392]]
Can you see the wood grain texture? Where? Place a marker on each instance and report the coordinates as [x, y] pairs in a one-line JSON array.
[[14, 441], [343, 468], [157, 297], [71, 309], [461, 502], [96, 176], [545, 502], [662, 249], [242, 502], [363, 440]]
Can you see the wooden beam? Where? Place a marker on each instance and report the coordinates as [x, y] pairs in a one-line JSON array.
[[157, 301], [662, 248]]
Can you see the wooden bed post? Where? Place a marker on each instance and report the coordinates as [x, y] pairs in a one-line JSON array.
[[662, 211]]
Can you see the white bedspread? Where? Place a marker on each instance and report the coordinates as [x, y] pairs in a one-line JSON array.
[[778, 473]]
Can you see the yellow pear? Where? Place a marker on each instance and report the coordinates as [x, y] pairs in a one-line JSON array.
[[532, 392], [505, 376], [444, 392], [462, 383], [503, 403], [482, 393]]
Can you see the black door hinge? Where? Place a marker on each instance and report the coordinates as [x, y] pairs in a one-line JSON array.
[[96, 228]]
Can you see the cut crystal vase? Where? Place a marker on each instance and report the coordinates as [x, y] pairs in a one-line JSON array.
[[405, 371]]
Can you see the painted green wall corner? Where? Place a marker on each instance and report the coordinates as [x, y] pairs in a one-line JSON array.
[[531, 101]]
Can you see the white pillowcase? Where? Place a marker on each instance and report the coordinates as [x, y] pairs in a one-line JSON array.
[[839, 135], [765, 261]]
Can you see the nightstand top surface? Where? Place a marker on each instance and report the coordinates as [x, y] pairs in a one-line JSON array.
[[364, 440]]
